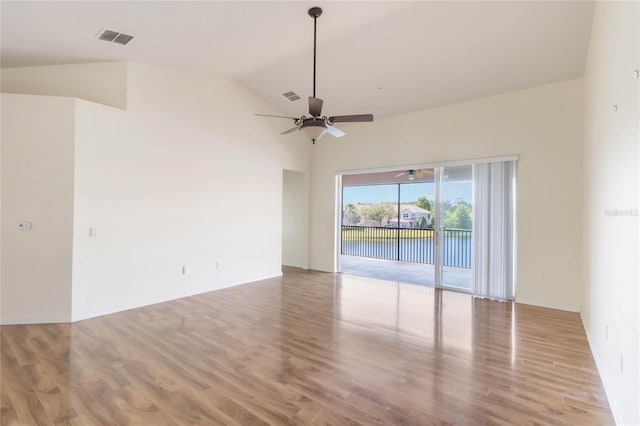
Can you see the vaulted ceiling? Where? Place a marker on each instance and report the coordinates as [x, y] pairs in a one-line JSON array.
[[381, 57]]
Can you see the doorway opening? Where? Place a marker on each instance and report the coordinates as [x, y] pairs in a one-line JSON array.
[[295, 225]]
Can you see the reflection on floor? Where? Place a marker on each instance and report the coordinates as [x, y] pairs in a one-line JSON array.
[[307, 348], [405, 272]]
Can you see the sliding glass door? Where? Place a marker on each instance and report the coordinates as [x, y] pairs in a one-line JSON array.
[[387, 229], [451, 226], [417, 229], [454, 226]]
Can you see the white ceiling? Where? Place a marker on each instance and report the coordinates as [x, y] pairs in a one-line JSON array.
[[384, 57]]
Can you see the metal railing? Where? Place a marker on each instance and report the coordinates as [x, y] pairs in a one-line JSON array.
[[456, 248], [407, 244]]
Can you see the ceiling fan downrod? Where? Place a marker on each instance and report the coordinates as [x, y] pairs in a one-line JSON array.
[[314, 12], [316, 124]]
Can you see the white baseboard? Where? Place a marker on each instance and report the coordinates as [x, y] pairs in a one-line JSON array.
[[79, 316], [34, 320], [557, 306], [301, 266], [608, 388]]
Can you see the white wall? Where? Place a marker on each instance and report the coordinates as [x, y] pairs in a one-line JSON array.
[[611, 183], [37, 187], [186, 176], [295, 219], [189, 177], [102, 82], [542, 125]]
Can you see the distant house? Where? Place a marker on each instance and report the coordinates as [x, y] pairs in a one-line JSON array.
[[409, 216]]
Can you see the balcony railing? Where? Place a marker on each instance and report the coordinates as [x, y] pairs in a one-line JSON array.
[[407, 244]]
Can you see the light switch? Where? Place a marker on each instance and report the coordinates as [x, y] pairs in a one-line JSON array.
[[24, 226], [92, 231]]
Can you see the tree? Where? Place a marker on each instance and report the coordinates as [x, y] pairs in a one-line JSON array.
[[378, 212], [422, 222], [424, 203], [463, 216], [458, 218], [351, 215]]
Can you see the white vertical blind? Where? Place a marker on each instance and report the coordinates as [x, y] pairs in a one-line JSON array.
[[493, 223]]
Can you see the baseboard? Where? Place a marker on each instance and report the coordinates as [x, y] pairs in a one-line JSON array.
[[34, 320], [608, 388], [557, 306], [80, 316], [301, 266]]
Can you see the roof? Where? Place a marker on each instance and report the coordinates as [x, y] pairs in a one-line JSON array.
[[411, 207]]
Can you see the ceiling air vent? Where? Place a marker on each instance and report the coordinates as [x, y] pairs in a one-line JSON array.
[[114, 37], [291, 96], [123, 39]]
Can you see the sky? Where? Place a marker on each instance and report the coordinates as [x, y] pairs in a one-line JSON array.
[[409, 192]]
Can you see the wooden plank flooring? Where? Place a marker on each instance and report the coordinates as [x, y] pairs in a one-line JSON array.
[[310, 348]]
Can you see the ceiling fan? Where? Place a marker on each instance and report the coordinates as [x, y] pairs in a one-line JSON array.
[[411, 174], [315, 126]]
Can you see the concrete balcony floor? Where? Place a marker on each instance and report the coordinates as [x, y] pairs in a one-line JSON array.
[[406, 272]]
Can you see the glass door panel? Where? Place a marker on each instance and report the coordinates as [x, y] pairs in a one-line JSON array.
[[416, 224], [410, 226], [368, 214], [455, 223]]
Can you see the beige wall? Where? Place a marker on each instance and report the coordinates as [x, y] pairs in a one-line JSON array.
[[101, 82], [37, 186], [611, 304], [542, 125], [295, 219], [186, 176]]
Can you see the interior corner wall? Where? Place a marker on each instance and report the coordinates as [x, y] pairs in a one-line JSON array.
[[187, 177], [611, 300], [37, 187], [543, 125], [101, 82], [179, 194]]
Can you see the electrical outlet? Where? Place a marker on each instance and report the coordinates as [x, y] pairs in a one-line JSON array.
[[218, 264], [24, 226], [93, 231], [185, 270]]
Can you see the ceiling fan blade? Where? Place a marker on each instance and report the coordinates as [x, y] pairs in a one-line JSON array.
[[400, 174], [275, 116], [315, 106], [334, 131], [286, 132], [360, 118]]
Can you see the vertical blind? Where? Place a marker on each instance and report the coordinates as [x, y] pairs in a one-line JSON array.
[[494, 223]]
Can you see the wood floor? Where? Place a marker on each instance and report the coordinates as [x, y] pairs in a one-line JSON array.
[[310, 348]]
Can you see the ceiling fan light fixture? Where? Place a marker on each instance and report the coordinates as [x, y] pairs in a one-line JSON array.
[[411, 175], [314, 129]]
